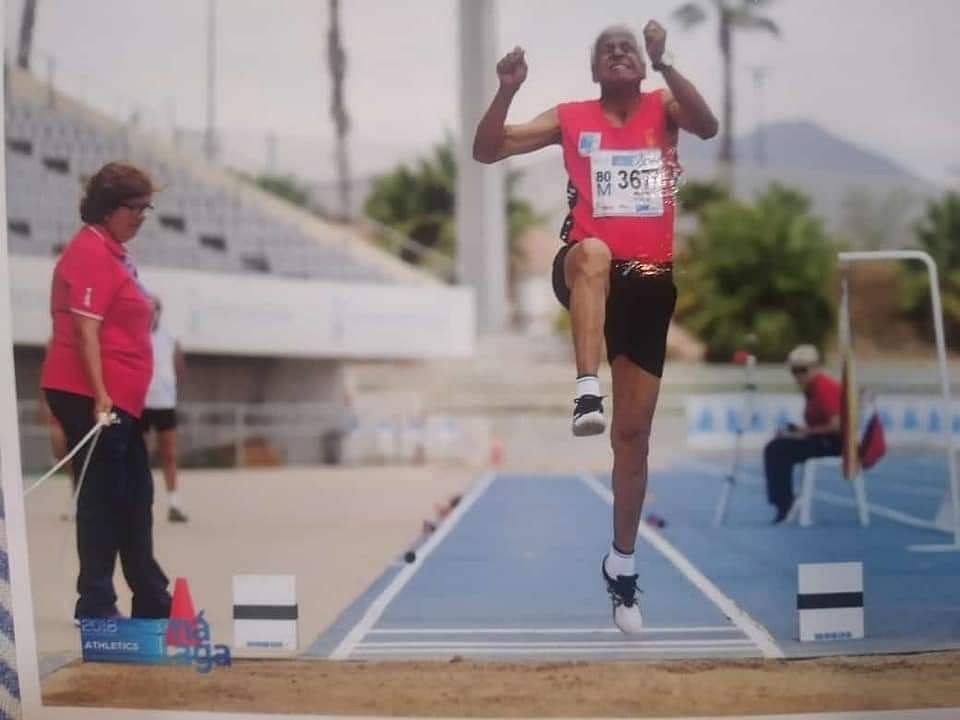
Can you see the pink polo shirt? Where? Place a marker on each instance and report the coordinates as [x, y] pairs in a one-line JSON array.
[[95, 278]]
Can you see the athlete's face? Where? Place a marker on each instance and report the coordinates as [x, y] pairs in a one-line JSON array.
[[617, 59]]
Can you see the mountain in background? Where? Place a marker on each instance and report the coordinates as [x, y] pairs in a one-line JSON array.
[[799, 145]]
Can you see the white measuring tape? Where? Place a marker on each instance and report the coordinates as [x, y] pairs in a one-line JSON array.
[[103, 420]]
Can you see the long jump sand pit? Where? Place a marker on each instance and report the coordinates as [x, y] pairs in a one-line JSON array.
[[571, 689]]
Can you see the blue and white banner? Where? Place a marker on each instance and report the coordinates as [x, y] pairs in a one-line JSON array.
[[143, 642], [714, 421]]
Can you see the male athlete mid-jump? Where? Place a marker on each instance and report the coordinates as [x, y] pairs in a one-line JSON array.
[[614, 271]]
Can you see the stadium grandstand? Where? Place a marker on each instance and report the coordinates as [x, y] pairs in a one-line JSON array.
[[268, 300]]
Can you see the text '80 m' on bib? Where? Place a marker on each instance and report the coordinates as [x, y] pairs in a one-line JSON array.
[[627, 183]]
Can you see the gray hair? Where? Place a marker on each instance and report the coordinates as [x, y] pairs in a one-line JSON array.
[[609, 30]]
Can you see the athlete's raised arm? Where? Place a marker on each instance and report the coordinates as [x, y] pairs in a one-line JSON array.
[[684, 105], [495, 139]]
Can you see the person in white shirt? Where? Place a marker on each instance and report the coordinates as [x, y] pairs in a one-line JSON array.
[[160, 412]]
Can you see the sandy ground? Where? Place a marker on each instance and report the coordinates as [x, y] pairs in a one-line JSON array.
[[334, 529], [525, 690]]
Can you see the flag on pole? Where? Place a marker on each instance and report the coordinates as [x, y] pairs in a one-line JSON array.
[[873, 442], [849, 421]]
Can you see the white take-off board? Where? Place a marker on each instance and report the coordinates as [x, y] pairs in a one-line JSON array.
[[830, 601], [265, 612]]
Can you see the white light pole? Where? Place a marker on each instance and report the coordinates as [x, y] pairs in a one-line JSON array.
[[481, 203], [210, 137]]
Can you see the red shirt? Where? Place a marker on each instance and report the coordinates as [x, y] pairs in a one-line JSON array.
[[624, 198], [823, 400], [94, 277]]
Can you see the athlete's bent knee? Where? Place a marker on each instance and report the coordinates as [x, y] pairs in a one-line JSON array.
[[592, 258]]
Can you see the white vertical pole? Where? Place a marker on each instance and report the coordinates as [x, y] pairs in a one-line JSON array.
[[947, 409], [481, 205], [846, 339], [11, 474]]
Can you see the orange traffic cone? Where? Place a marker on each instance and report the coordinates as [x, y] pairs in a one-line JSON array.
[[181, 632]]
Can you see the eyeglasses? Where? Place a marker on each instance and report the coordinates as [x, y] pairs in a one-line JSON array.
[[139, 209], [799, 370]]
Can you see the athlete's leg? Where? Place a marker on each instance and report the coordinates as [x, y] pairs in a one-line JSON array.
[[586, 272], [635, 392]]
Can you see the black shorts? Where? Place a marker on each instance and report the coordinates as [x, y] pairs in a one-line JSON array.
[[161, 419], [639, 308]]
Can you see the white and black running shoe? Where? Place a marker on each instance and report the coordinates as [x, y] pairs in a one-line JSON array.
[[623, 593], [588, 416]]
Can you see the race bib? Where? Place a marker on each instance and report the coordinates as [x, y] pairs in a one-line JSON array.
[[627, 183]]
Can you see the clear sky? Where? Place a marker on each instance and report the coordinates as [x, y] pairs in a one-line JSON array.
[[878, 72]]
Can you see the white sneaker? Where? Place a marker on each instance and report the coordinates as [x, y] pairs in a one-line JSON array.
[[623, 593], [588, 416]]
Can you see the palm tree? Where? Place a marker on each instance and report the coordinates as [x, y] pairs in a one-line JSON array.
[[419, 203], [27, 20], [337, 63], [732, 15]]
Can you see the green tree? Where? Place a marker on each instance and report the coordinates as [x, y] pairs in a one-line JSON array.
[[762, 271], [695, 196], [732, 15], [938, 233], [419, 202]]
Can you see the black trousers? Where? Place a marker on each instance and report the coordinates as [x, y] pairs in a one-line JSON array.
[[781, 454], [114, 513]]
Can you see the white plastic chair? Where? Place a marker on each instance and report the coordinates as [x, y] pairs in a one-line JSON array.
[[802, 509]]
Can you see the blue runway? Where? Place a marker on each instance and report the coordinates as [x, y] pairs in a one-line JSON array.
[[514, 574]]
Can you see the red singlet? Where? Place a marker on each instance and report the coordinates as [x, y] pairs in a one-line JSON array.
[[622, 179]]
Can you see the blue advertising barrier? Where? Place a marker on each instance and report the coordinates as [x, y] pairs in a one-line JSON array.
[[713, 421]]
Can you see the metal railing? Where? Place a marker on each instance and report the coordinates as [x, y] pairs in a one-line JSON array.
[[432, 261], [226, 430], [951, 503]]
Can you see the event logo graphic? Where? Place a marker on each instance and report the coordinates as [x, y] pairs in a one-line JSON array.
[[153, 642], [196, 648]]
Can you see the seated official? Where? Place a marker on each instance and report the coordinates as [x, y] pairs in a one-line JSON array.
[[818, 437]]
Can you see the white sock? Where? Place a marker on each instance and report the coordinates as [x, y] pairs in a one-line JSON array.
[[619, 564], [173, 500], [588, 385]]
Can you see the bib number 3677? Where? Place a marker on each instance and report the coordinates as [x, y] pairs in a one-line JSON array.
[[627, 183]]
